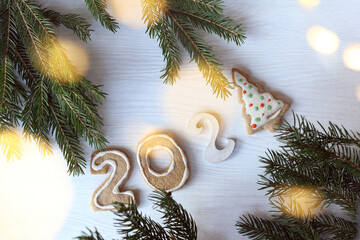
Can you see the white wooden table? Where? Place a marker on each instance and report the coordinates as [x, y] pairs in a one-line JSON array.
[[276, 53]]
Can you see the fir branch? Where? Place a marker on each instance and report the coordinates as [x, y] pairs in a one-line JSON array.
[[202, 55], [178, 222], [71, 21], [92, 235], [68, 142], [134, 226], [98, 10], [262, 229], [336, 227], [222, 26], [325, 160], [174, 18]]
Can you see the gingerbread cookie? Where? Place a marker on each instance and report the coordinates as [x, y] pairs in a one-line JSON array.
[[261, 110], [175, 175], [109, 191], [212, 153]]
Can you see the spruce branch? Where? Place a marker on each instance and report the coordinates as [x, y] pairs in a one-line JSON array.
[[263, 229], [133, 225], [98, 10], [92, 235], [177, 221], [173, 19], [325, 160], [49, 97], [71, 21]]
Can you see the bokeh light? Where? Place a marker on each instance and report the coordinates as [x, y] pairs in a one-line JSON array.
[[35, 192], [10, 145], [322, 40], [191, 88], [300, 202], [77, 55], [351, 57], [309, 3], [127, 12]]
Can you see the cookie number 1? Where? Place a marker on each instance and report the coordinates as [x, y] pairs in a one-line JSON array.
[[109, 191]]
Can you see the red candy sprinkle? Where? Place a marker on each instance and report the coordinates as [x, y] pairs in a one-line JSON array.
[[244, 92], [250, 105], [262, 105], [254, 126], [245, 84], [263, 114], [269, 100]]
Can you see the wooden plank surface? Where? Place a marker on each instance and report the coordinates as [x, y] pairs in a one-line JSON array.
[[276, 54]]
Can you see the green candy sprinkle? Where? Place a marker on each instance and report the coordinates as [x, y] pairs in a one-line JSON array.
[[269, 107], [241, 80], [250, 86], [257, 119], [262, 98], [256, 108], [278, 103], [250, 95]]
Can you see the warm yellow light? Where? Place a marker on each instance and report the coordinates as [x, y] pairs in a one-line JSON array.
[[10, 145], [309, 3], [322, 40], [66, 62], [351, 57], [77, 55], [35, 195], [300, 202], [190, 95], [127, 12]]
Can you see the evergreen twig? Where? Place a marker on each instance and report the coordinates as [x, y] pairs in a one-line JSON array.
[[48, 97], [133, 225], [168, 20], [325, 159]]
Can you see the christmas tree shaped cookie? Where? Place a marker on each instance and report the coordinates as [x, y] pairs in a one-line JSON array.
[[261, 110]]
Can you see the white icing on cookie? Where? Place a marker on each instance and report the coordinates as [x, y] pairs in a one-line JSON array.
[[262, 107], [172, 162], [212, 154], [183, 157], [113, 164]]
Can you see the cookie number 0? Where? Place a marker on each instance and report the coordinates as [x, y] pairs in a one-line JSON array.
[[176, 174], [109, 191]]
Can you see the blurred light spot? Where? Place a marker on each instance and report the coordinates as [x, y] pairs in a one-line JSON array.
[[309, 3], [351, 57], [300, 202], [77, 55], [36, 195], [128, 12], [190, 95], [322, 40], [358, 92], [68, 61], [10, 145]]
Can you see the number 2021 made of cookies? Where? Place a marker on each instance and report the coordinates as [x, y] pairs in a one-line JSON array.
[[261, 110]]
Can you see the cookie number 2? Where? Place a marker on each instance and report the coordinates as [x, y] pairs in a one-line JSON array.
[[109, 191]]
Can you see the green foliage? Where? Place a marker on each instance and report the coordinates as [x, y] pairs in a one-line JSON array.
[[46, 96], [133, 225], [98, 10], [173, 20], [323, 159]]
